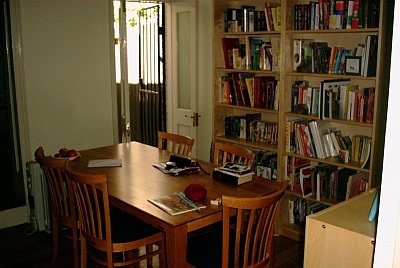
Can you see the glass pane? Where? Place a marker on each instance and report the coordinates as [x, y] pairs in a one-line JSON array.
[[183, 22]]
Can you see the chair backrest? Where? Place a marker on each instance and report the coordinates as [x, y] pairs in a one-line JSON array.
[[63, 207], [91, 197], [175, 143], [254, 228], [224, 152]]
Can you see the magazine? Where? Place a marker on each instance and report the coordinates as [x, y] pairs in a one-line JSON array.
[[175, 170], [176, 203], [236, 168]]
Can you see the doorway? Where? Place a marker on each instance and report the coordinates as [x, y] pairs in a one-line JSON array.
[[12, 194], [139, 34]]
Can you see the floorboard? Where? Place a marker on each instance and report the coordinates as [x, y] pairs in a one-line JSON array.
[[21, 248]]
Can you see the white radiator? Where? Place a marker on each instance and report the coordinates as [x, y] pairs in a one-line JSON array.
[[38, 197]]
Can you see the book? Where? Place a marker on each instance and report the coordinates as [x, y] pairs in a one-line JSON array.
[[231, 177], [291, 210], [228, 44], [105, 163], [330, 98], [247, 100], [246, 17], [249, 86], [175, 170], [236, 168], [343, 178], [175, 203], [224, 95], [357, 184], [306, 179], [371, 57], [316, 137]]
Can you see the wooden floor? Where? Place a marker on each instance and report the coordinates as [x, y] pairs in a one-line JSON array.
[[18, 248]]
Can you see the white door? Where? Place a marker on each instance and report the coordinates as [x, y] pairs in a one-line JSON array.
[[184, 71]]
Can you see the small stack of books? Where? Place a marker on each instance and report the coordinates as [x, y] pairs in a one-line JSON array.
[[234, 173]]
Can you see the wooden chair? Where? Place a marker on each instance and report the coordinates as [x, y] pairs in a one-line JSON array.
[[224, 152], [245, 237], [175, 143], [110, 236], [252, 240], [63, 212]]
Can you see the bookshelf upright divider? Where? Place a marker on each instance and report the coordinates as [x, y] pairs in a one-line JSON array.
[[228, 23]]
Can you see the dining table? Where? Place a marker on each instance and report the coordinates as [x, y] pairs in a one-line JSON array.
[[136, 180]]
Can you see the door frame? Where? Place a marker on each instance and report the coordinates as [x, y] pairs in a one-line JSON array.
[[171, 82], [20, 214]]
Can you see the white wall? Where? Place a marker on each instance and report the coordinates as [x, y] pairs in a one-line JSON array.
[[68, 74]]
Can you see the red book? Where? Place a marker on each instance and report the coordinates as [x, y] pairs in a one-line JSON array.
[[268, 17], [228, 44], [370, 105], [356, 10]]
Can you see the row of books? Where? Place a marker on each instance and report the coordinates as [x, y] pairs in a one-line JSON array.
[[251, 128], [336, 14], [323, 181], [266, 164], [311, 138], [252, 54], [248, 19], [319, 57], [299, 208], [245, 89], [334, 99]]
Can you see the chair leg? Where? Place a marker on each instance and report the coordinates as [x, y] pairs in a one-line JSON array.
[[55, 242], [161, 256], [149, 248], [83, 252], [75, 241]]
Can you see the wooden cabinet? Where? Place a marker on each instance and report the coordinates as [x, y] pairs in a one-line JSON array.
[[341, 236], [285, 74]]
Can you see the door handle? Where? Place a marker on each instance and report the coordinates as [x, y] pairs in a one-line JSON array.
[[195, 119]]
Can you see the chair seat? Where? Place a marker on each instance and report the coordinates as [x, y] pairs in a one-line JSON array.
[[205, 251], [126, 228], [209, 244]]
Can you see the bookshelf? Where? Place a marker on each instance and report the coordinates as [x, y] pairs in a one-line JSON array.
[[343, 230], [287, 76]]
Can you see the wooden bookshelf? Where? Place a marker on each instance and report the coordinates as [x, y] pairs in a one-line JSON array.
[[342, 230], [347, 38]]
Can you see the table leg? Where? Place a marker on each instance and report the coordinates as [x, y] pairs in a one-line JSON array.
[[176, 245]]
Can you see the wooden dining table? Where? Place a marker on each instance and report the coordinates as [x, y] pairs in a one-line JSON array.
[[131, 185]]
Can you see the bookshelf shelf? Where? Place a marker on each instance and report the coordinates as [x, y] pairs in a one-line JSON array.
[[249, 144], [246, 108], [332, 76], [328, 202], [333, 161], [334, 31], [339, 121], [285, 73], [220, 69], [258, 33]]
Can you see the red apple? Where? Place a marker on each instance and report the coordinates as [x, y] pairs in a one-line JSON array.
[[58, 155], [72, 153], [63, 152]]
